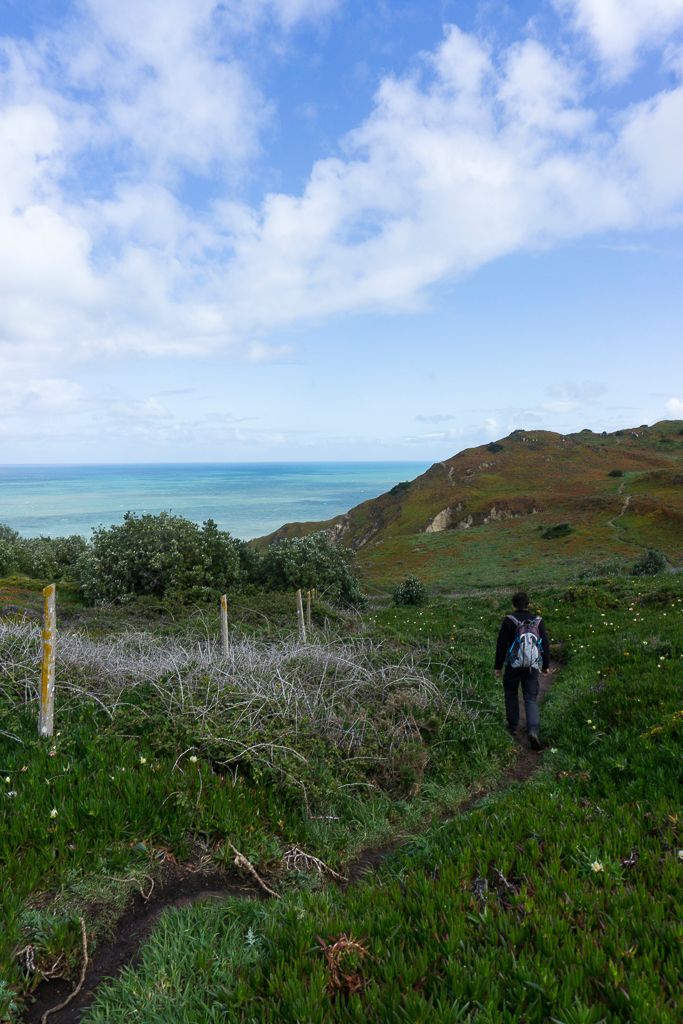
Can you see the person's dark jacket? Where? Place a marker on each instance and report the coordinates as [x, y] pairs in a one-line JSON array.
[[507, 633]]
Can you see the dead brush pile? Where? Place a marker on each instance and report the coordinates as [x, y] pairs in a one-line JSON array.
[[269, 703]]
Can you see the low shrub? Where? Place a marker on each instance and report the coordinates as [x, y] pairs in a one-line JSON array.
[[401, 487], [560, 530], [411, 591], [616, 472], [158, 556], [170, 558], [651, 563], [313, 561], [43, 558]]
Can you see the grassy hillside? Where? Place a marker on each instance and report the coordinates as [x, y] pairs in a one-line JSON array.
[[486, 516]]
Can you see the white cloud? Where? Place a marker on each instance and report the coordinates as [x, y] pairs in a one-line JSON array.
[[436, 182], [259, 352], [53, 393], [619, 29], [650, 141], [674, 407], [583, 392], [161, 90], [471, 157], [165, 80], [39, 395], [541, 93], [435, 437], [560, 406], [287, 13], [144, 408]]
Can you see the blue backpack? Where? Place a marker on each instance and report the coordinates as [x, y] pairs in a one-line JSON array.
[[526, 650]]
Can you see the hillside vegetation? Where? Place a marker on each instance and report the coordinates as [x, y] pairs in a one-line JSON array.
[[555, 900], [489, 516]]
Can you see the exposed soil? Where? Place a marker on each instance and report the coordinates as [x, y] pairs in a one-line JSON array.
[[184, 886], [180, 887]]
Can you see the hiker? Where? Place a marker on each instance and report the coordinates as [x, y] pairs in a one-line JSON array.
[[523, 648]]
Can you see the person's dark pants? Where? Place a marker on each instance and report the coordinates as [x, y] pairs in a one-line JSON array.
[[528, 677]]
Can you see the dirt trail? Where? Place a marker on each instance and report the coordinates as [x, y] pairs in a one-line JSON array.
[[627, 501], [182, 887]]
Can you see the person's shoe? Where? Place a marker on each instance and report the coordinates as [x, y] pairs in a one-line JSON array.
[[534, 741]]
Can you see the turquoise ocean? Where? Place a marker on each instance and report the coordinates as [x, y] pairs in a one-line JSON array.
[[247, 499]]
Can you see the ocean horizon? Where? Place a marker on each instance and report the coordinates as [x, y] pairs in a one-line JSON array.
[[248, 499]]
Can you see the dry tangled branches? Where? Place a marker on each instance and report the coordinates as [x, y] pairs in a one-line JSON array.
[[295, 859], [258, 702], [343, 958]]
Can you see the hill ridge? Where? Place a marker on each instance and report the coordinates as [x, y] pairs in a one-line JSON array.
[[538, 475]]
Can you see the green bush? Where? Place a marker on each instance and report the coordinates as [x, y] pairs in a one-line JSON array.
[[159, 556], [616, 472], [411, 591], [9, 550], [651, 563], [399, 488], [51, 558], [495, 446], [561, 530], [44, 558], [313, 561]]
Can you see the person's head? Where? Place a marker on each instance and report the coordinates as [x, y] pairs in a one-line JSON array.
[[520, 601]]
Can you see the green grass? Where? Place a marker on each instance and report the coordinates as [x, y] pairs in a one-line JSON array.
[[498, 915], [557, 900], [137, 771], [500, 554]]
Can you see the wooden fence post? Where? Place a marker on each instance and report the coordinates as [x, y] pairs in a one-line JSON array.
[[308, 609], [225, 636], [300, 616], [47, 674]]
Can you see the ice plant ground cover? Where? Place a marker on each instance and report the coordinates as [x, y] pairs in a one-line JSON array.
[[165, 749], [495, 915]]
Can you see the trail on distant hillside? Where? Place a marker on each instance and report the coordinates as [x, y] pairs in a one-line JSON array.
[[185, 885], [613, 521]]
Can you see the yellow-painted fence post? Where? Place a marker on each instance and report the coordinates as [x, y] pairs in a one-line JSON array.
[[225, 636], [300, 616], [47, 675]]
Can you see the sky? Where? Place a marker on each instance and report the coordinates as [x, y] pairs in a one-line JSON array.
[[335, 229]]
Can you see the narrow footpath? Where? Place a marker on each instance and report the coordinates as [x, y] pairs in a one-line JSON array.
[[183, 886], [627, 501]]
